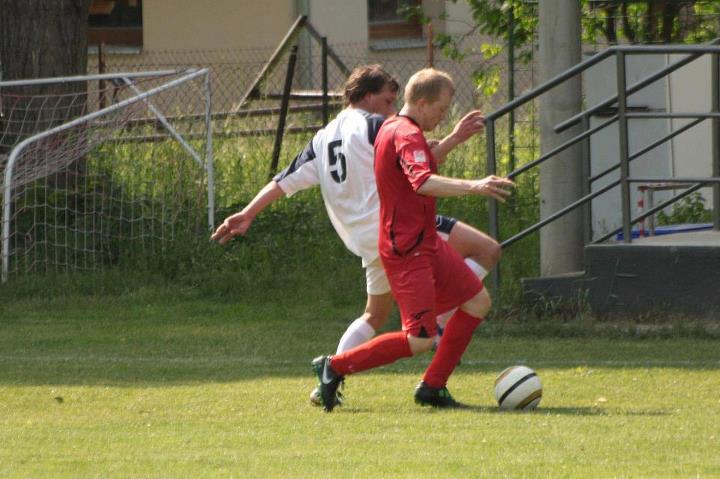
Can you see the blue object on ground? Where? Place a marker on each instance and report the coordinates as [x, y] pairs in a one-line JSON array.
[[668, 230]]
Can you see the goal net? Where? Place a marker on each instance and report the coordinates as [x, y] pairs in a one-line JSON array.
[[103, 170]]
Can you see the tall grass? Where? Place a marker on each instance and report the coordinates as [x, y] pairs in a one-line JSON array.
[[242, 166], [292, 240]]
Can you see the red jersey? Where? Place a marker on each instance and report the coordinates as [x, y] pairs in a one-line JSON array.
[[403, 162]]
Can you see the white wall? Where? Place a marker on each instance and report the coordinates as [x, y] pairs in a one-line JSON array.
[[341, 21], [687, 155], [219, 24], [459, 17], [690, 92], [600, 83]]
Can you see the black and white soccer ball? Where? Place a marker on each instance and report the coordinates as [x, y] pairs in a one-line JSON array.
[[518, 388]]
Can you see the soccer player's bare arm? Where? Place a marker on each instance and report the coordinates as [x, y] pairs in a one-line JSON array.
[[469, 125], [299, 175], [440, 186], [238, 223]]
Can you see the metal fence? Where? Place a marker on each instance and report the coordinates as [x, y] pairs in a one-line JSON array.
[[245, 131]]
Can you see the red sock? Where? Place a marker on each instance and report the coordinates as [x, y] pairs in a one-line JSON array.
[[384, 349], [453, 344]]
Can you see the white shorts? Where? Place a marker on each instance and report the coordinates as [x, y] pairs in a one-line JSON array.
[[375, 279]]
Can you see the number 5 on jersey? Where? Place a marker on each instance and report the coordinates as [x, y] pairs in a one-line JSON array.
[[338, 166]]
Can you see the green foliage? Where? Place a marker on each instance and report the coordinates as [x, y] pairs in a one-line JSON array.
[[124, 205], [690, 209], [654, 21], [608, 22]]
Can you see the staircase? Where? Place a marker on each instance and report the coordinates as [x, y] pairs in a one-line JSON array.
[[675, 273]]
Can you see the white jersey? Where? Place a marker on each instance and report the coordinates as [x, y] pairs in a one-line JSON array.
[[340, 159]]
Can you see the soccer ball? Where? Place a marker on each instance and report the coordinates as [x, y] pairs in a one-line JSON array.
[[518, 387], [315, 398]]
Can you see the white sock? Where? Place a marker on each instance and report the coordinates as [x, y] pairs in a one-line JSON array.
[[476, 268], [480, 272], [443, 318], [357, 333]]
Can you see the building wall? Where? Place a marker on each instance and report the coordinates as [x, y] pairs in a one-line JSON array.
[[690, 92], [341, 21], [219, 24], [236, 37], [600, 83], [687, 155], [459, 18]]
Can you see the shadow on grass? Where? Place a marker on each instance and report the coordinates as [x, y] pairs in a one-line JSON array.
[[138, 370], [541, 411], [204, 342], [566, 411]]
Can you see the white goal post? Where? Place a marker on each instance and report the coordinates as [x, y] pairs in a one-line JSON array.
[[85, 187]]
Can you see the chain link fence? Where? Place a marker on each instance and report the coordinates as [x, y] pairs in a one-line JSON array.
[[245, 131], [246, 146]]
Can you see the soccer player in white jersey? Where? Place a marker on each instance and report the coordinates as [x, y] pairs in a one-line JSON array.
[[340, 160]]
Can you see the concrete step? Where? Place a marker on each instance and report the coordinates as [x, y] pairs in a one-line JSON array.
[[640, 279]]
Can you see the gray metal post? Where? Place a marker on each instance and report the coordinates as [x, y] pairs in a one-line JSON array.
[[715, 85], [493, 223], [511, 87], [587, 184], [325, 105], [209, 163], [561, 242], [624, 151], [283, 112]]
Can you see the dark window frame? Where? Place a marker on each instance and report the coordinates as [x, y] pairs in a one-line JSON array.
[[394, 28], [115, 22]]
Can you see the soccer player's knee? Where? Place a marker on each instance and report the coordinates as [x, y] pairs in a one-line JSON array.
[[376, 317], [479, 305], [420, 345], [494, 252], [377, 310]]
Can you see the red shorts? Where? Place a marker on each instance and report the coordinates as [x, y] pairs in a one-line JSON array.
[[426, 284]]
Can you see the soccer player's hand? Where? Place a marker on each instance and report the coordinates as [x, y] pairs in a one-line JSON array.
[[470, 124], [234, 225], [494, 186]]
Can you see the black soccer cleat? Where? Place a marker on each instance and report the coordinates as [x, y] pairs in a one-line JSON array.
[[329, 382], [435, 397]]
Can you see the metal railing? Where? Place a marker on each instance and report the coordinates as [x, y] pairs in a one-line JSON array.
[[625, 157]]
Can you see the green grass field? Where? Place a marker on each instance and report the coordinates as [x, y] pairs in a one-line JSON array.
[[157, 384]]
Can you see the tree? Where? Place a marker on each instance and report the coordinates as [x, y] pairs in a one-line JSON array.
[[651, 21], [44, 38], [39, 39], [603, 21]]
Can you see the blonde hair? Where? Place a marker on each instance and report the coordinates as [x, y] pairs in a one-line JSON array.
[[427, 84]]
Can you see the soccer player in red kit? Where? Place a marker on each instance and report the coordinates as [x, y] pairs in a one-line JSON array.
[[425, 275]]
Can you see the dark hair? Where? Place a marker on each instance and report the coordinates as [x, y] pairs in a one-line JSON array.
[[367, 79]]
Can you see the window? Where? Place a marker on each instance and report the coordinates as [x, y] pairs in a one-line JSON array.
[[115, 22], [384, 21]]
